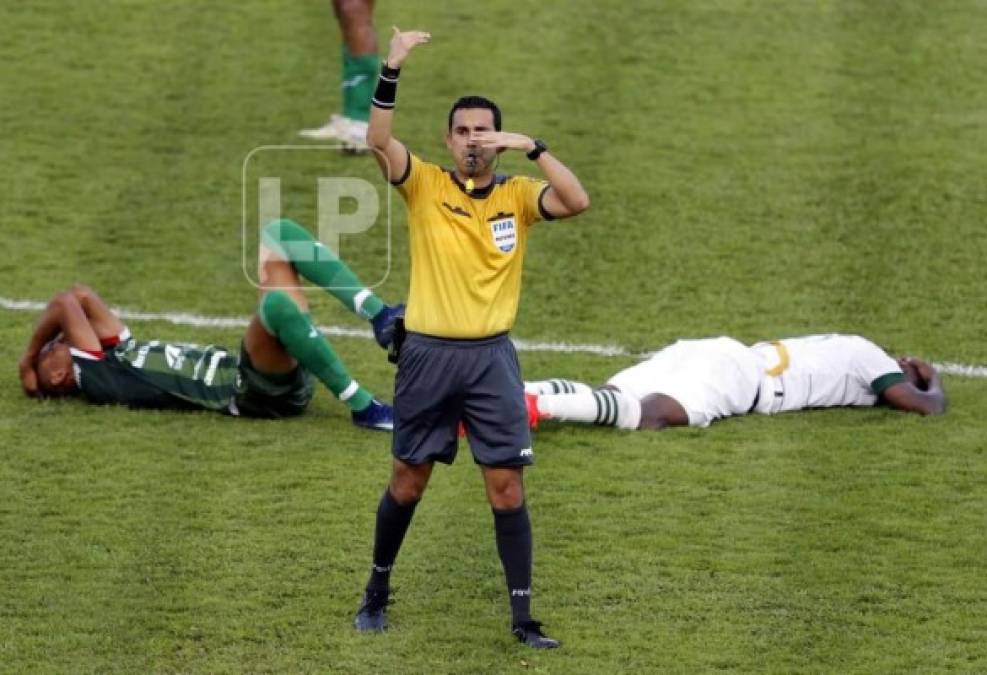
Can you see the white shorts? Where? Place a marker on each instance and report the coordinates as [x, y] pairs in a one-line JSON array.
[[710, 378]]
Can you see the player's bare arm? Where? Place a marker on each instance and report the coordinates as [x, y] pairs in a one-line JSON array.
[[925, 397], [390, 153], [104, 322], [566, 196], [64, 316]]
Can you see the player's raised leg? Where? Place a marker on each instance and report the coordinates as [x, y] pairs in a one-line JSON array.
[[292, 327], [266, 353], [394, 513], [512, 527], [286, 240], [282, 336]]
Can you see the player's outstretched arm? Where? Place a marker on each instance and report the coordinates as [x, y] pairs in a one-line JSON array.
[[565, 196], [927, 398], [64, 315], [390, 153]]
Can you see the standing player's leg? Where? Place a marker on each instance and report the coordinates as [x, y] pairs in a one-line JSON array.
[[394, 513], [512, 526], [356, 21], [285, 240], [282, 336], [359, 75]]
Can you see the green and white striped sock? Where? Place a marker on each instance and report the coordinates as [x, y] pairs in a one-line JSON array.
[[557, 386], [604, 407]]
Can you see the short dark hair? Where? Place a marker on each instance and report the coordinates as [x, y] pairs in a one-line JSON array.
[[475, 102]]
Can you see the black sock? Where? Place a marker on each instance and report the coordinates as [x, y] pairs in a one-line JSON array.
[[513, 530], [392, 523]]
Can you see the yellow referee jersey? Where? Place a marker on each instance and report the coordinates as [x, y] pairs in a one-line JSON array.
[[466, 250]]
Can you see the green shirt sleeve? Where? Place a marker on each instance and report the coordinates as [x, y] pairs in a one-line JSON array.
[[881, 384]]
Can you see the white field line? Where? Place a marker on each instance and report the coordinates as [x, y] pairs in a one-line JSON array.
[[200, 321]]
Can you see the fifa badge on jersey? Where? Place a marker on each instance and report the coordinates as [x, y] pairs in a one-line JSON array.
[[504, 232]]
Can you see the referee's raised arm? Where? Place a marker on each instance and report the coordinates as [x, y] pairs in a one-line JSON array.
[[389, 152]]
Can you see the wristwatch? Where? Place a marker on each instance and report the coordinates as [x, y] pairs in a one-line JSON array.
[[540, 147]]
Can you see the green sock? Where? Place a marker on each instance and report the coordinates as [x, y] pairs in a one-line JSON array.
[[295, 331], [359, 80], [317, 263]]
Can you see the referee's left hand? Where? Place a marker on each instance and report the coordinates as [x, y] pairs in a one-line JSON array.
[[503, 140]]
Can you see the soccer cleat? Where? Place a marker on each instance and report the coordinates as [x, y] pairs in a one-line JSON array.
[[377, 416], [351, 133], [531, 403], [530, 633], [355, 138], [384, 324], [330, 131], [372, 615]]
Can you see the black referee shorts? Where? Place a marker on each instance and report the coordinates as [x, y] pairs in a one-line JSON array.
[[441, 381]]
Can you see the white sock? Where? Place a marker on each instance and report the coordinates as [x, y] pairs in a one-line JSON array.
[[603, 406], [628, 411], [556, 386], [569, 407]]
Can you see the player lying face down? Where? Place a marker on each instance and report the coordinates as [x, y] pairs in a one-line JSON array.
[[80, 346], [695, 382]]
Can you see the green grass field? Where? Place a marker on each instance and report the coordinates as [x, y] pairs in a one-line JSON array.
[[757, 169]]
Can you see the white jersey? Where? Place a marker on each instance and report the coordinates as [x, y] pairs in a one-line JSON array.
[[711, 378], [822, 371]]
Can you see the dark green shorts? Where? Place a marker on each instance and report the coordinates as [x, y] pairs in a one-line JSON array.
[[270, 395]]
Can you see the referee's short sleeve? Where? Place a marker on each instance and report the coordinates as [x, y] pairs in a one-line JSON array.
[[532, 196], [415, 174]]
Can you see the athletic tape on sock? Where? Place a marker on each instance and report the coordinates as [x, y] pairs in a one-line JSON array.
[[359, 299], [350, 390]]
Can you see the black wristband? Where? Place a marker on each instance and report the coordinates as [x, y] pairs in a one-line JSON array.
[[539, 148], [387, 87]]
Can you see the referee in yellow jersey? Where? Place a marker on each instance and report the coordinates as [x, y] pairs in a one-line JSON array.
[[468, 231]]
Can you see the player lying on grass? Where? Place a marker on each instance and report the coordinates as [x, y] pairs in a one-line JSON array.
[[694, 382], [80, 346]]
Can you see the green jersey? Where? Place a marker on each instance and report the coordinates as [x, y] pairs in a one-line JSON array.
[[158, 374]]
